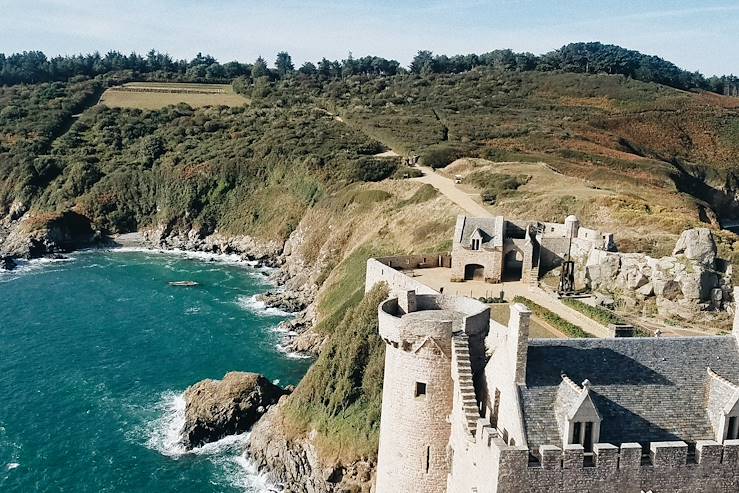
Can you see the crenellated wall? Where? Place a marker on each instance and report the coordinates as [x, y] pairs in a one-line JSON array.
[[616, 470], [666, 468]]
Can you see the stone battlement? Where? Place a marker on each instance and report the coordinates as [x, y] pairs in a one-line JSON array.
[[668, 466], [410, 317]]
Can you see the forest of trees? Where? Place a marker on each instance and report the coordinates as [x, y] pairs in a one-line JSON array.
[[33, 66]]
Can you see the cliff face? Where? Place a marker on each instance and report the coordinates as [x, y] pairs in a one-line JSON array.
[[322, 438], [36, 235], [297, 465]]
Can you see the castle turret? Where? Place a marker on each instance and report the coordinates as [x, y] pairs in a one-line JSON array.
[[572, 226], [418, 389]]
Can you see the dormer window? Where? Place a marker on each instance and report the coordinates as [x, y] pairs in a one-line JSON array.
[[732, 428], [580, 418], [475, 244], [582, 433]]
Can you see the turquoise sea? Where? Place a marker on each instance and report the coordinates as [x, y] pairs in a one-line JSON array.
[[95, 352]]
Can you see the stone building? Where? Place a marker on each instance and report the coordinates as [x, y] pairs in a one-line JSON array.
[[498, 249], [472, 405]]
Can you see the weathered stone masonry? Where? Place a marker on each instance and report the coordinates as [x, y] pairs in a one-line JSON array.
[[471, 405]]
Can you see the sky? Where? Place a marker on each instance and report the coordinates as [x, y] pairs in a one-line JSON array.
[[695, 35]]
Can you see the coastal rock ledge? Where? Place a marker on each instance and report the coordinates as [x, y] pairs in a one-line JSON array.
[[218, 408]]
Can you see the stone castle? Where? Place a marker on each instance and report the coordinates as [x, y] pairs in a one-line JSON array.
[[498, 249], [474, 406]]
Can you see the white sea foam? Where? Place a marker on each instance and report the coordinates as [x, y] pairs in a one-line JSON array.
[[24, 266], [259, 307], [164, 435], [12, 465], [230, 258], [164, 432]]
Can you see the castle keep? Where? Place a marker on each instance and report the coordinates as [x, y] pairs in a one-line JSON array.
[[473, 405]]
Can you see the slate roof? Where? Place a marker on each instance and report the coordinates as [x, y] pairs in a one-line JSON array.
[[488, 226], [645, 389]]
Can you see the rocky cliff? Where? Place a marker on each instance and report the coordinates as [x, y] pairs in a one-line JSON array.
[[296, 464], [37, 234], [692, 279]]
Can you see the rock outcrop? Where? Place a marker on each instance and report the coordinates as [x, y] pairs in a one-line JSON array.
[[693, 278], [294, 463], [247, 247], [36, 235], [217, 408], [7, 263]]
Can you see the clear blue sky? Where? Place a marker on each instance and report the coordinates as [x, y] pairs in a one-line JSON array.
[[696, 35]]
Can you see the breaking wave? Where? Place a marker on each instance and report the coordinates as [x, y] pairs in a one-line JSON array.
[[260, 308], [163, 436]]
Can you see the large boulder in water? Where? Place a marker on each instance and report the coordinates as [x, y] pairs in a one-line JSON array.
[[218, 408]]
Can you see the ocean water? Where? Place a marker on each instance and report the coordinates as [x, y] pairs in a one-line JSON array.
[[95, 353]]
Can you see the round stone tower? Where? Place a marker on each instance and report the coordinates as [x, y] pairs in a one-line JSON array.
[[572, 225], [417, 394]]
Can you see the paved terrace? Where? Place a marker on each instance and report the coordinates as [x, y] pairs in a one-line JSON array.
[[438, 279]]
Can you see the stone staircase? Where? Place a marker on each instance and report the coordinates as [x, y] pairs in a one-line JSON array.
[[463, 368]]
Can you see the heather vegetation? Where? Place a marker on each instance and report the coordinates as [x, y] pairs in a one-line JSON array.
[[494, 185], [341, 396]]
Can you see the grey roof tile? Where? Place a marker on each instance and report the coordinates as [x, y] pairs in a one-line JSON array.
[[646, 389]]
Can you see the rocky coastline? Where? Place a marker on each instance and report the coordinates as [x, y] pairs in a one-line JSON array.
[[218, 408], [293, 463], [296, 288]]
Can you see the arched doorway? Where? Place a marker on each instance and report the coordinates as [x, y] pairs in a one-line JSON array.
[[474, 272]]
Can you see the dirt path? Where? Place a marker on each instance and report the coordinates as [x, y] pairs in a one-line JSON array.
[[450, 190]]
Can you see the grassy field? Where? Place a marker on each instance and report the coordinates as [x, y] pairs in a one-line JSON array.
[[156, 95]]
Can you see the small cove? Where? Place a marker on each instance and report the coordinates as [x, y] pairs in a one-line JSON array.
[[95, 353]]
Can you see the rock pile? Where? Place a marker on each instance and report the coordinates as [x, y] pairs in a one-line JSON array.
[[693, 278], [217, 408]]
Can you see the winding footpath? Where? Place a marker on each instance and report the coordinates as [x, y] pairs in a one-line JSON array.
[[450, 190]]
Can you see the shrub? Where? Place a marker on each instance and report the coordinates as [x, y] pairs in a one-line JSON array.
[[495, 185], [600, 315], [407, 172], [373, 169], [423, 194], [341, 396], [603, 315], [440, 155]]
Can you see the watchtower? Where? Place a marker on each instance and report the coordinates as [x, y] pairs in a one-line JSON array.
[[418, 388]]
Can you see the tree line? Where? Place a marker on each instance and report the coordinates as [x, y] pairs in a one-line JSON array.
[[34, 67]]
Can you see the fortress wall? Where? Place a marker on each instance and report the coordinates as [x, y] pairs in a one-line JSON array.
[[590, 234], [421, 261], [552, 252], [396, 280], [554, 229], [618, 470]]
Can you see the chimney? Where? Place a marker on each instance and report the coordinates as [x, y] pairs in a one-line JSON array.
[[407, 301], [518, 339]]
